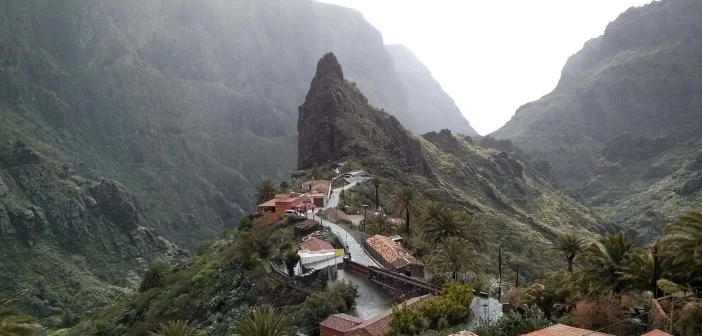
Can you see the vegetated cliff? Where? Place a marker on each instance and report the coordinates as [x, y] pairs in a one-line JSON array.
[[492, 178], [426, 97], [175, 106], [643, 76], [643, 184]]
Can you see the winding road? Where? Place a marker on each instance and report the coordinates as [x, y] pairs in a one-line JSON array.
[[358, 254]]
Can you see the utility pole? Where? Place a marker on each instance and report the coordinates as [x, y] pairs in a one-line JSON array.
[[499, 274], [517, 284], [655, 271], [365, 217]]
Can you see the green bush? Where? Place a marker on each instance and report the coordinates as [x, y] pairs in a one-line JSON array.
[[449, 309], [513, 324]]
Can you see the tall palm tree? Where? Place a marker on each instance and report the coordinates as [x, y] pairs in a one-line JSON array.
[[454, 256], [607, 257], [178, 328], [376, 182], [262, 322], [686, 235], [408, 201], [455, 224], [432, 211], [570, 244], [265, 191], [381, 224]]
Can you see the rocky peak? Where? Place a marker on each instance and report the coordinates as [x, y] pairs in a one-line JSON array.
[[329, 72], [336, 122]]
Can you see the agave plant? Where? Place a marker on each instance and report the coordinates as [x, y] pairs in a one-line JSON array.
[[154, 277], [177, 328], [262, 322]]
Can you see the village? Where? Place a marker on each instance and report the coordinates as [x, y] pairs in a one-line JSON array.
[[336, 241]]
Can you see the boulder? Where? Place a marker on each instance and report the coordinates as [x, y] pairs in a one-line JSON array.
[[691, 186]]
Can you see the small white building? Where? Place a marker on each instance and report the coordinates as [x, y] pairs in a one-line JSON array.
[[316, 253]]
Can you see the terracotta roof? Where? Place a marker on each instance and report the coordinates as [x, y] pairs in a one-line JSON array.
[[270, 203], [656, 332], [315, 244], [564, 330], [341, 322], [380, 324], [391, 251], [318, 186]]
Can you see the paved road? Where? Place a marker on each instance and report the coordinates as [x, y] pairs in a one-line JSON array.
[[358, 254]]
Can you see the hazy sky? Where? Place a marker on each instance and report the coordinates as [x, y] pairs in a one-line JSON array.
[[492, 56]]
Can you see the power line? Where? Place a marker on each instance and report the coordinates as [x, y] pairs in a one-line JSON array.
[[633, 317]]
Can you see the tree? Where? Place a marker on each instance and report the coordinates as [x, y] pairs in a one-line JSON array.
[[432, 211], [454, 256], [380, 224], [454, 224], [570, 245], [291, 259], [376, 182], [284, 187], [513, 324], [262, 321], [685, 236], [338, 299], [407, 201], [154, 277], [265, 191], [607, 257], [177, 328]]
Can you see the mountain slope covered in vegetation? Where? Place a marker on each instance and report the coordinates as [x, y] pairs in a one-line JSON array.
[[128, 129], [643, 76]]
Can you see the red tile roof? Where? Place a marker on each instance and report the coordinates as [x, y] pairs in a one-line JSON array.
[[564, 330], [377, 326], [315, 244], [341, 322], [656, 332], [391, 251]]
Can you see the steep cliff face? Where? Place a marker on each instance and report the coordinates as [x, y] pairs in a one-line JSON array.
[[642, 184], [426, 97], [336, 121], [490, 178], [643, 76]]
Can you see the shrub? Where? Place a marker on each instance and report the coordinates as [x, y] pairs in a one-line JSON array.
[[68, 319], [339, 298], [154, 277], [513, 324]]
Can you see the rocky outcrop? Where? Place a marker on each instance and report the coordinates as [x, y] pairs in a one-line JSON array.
[[112, 199], [444, 140], [336, 122]]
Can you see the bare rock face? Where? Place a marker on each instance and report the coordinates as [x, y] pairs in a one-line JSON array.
[[336, 122]]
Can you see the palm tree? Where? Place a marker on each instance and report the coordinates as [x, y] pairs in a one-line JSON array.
[[407, 201], [262, 322], [686, 235], [380, 224], [154, 277], [178, 328], [376, 182], [455, 224], [607, 257], [570, 245], [432, 211], [454, 256], [265, 191]]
